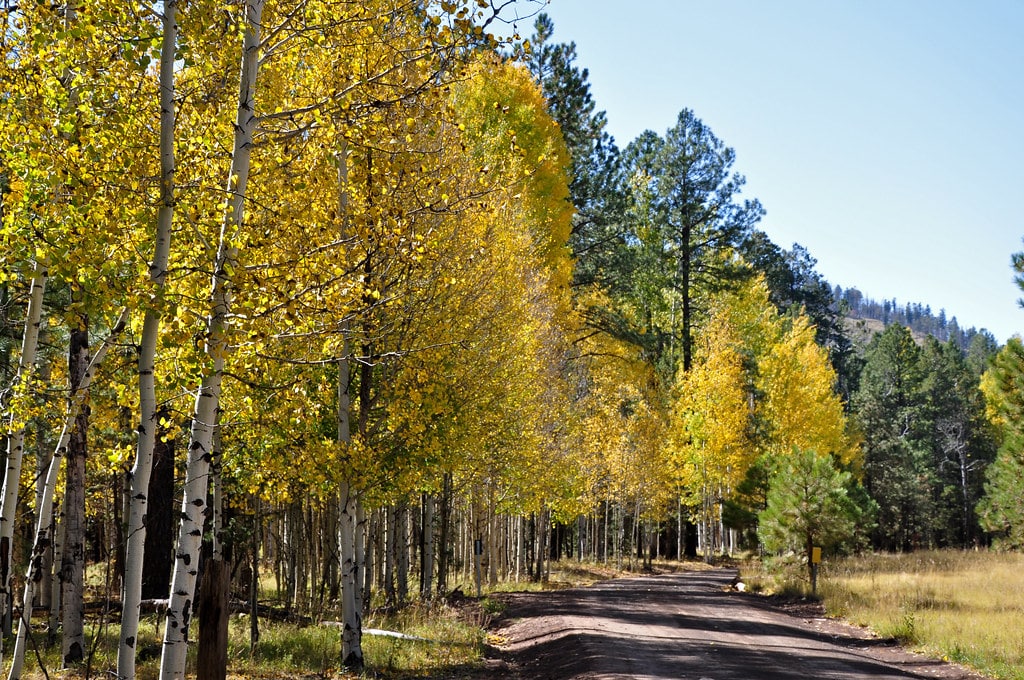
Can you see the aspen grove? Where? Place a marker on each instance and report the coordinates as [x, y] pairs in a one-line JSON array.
[[362, 296]]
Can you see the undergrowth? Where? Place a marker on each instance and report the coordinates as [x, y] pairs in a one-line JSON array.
[[444, 639], [964, 606]]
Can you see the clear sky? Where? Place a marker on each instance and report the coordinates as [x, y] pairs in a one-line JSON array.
[[885, 136]]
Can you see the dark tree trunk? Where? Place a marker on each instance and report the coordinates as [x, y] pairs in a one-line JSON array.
[[443, 538], [72, 567], [159, 551], [212, 652]]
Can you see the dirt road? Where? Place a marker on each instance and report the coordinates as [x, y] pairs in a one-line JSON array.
[[689, 625]]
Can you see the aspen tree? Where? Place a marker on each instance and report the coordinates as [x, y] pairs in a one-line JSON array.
[[205, 416], [710, 424], [16, 428], [78, 394], [148, 426]]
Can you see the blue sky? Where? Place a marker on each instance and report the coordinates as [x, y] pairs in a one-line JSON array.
[[885, 136]]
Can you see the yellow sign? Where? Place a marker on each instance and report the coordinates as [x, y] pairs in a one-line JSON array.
[[815, 555]]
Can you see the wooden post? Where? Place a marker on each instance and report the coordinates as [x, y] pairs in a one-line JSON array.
[[815, 561]]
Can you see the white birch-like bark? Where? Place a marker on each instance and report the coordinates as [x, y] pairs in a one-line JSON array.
[[352, 615], [53, 618], [44, 523], [349, 541], [16, 436], [131, 597], [364, 563], [204, 418]]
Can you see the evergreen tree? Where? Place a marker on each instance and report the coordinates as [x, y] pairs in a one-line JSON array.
[[686, 214], [960, 440], [595, 174], [890, 409], [981, 350], [809, 505]]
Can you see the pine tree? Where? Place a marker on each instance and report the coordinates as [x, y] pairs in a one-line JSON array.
[[809, 505], [960, 439], [889, 408], [687, 197], [595, 184]]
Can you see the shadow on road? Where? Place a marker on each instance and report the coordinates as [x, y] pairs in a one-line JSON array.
[[687, 626]]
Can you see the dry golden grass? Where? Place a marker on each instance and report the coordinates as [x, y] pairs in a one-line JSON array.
[[964, 606]]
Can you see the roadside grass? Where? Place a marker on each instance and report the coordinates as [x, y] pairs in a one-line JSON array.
[[966, 607], [451, 640], [784, 577], [453, 635]]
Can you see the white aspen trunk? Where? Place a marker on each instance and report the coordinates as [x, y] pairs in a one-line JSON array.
[[679, 529], [131, 596], [389, 556], [604, 520], [444, 534], [53, 621], [16, 436], [352, 516], [364, 561], [620, 535], [204, 418], [44, 591], [352, 615], [492, 540], [44, 522], [518, 548], [581, 538]]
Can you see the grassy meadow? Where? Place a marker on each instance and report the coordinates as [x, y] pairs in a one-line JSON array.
[[966, 606]]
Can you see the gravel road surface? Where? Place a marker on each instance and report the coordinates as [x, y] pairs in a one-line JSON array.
[[689, 625]]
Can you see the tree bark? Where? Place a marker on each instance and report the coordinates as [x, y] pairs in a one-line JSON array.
[[427, 551], [140, 476], [352, 615], [16, 438], [402, 551], [204, 419], [72, 567], [254, 582], [159, 546], [212, 657], [444, 534], [44, 523]]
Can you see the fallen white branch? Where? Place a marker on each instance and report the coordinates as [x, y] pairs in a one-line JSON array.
[[382, 633]]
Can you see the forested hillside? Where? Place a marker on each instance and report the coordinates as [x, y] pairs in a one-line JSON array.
[[915, 316], [350, 297]]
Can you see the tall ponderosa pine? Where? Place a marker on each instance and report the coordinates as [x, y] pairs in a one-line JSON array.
[[687, 222]]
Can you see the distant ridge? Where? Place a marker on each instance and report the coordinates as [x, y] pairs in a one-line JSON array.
[[919, 318]]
